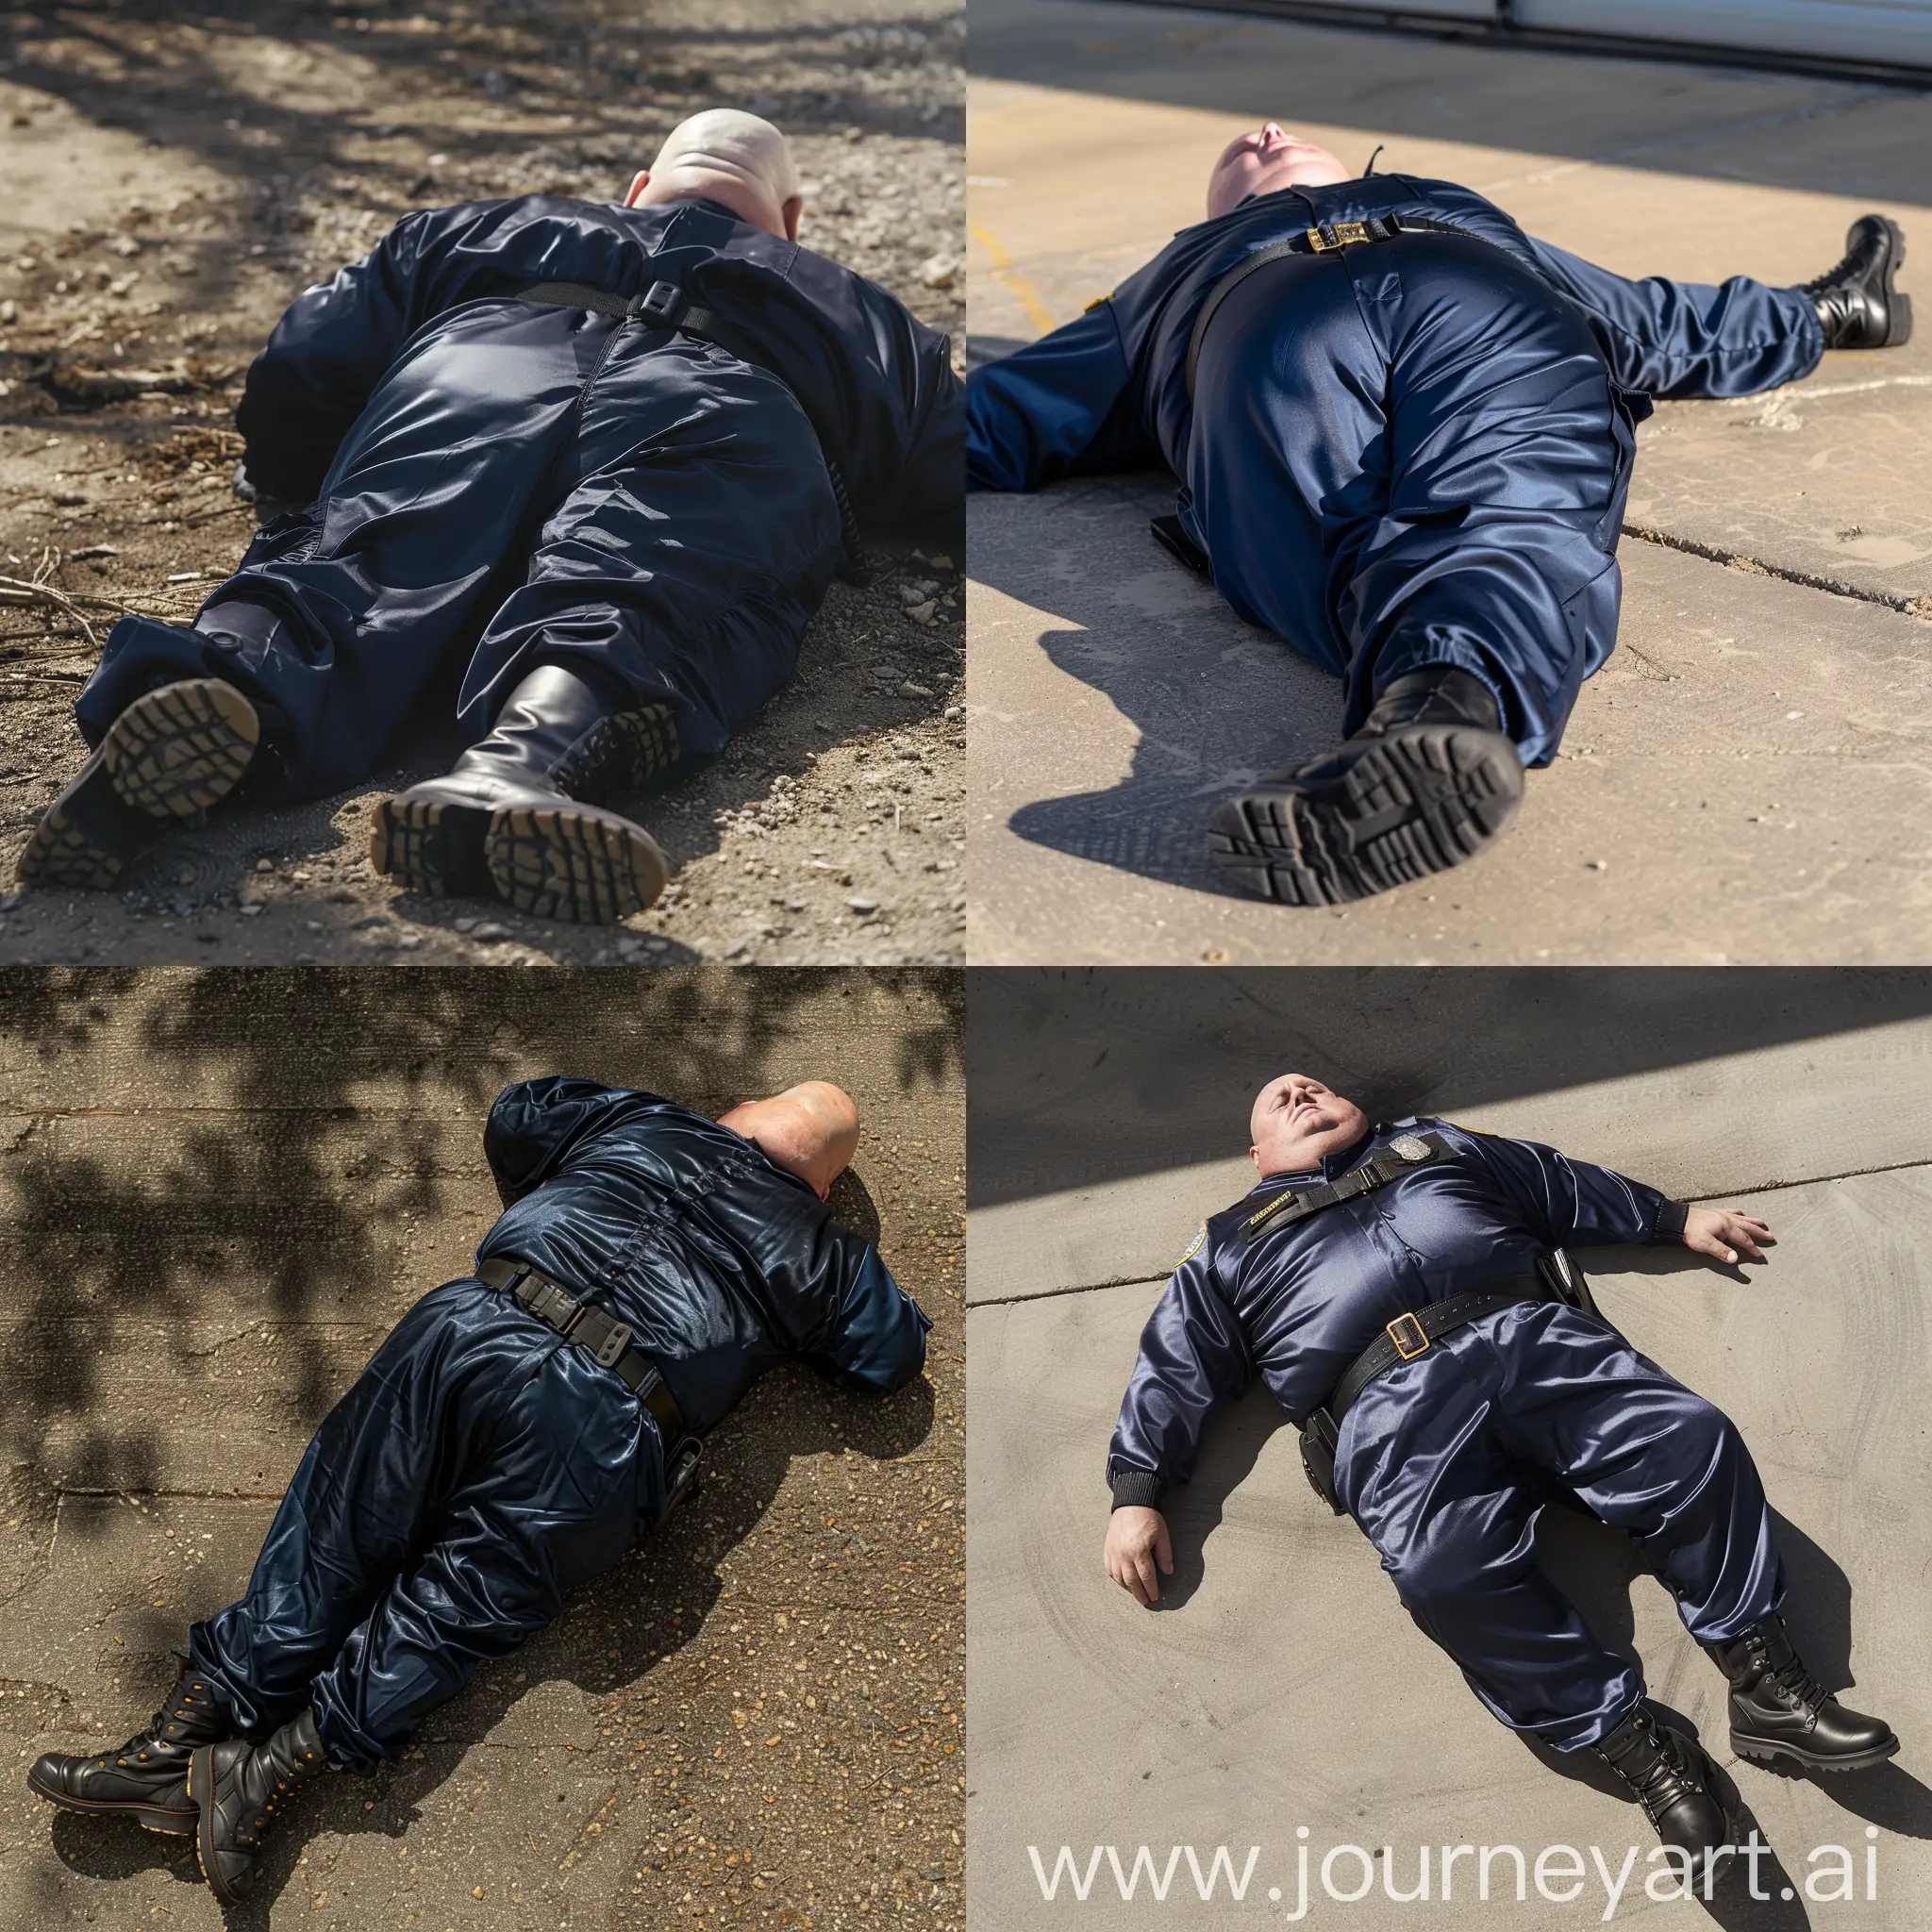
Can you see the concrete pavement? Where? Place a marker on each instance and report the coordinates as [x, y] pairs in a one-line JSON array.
[[1281, 1686], [219, 1191], [1745, 781]]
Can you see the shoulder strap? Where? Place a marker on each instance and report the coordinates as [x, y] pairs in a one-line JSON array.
[[1402, 1155]]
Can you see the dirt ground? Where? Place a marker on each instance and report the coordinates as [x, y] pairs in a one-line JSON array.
[[176, 175]]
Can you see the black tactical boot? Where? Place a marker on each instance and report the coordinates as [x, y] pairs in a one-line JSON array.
[[1856, 301], [1427, 783], [171, 754], [1779, 1710], [517, 814], [237, 1788], [1670, 1777], [146, 1779]]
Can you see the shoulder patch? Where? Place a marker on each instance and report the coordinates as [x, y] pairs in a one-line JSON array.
[[1482, 1133], [1193, 1248]]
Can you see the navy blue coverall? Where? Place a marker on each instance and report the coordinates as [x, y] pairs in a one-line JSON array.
[[1404, 453], [482, 1465], [516, 483], [1444, 1460]]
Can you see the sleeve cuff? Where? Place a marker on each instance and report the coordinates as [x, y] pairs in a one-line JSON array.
[[1137, 1488], [1670, 1221]]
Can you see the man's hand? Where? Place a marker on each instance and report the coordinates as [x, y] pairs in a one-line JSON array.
[[1135, 1542], [1722, 1233]]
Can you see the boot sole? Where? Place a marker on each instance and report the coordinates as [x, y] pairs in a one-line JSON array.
[[1768, 1751], [202, 1763], [431, 845], [1898, 308], [149, 1817], [1417, 802], [573, 862], [173, 753]]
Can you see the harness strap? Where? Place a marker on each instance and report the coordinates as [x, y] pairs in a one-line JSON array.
[[1325, 237], [664, 305], [605, 1341], [1402, 1155]]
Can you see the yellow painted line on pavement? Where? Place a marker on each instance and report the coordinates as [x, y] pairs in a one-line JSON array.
[[1037, 310]]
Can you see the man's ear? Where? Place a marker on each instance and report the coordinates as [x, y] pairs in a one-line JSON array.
[[794, 207], [1255, 1154], [642, 181]]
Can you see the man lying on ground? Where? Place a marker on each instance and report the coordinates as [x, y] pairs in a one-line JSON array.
[[606, 460], [1402, 429], [520, 1428], [1397, 1290]]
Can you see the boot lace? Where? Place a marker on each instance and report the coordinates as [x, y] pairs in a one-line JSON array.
[[1789, 1674], [1661, 1775]]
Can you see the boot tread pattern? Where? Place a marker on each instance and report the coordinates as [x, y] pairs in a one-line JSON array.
[[430, 845], [583, 865], [1415, 803], [179, 750]]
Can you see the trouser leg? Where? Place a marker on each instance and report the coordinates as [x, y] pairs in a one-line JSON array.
[[1692, 339], [1411, 456], [696, 537], [1648, 1456], [363, 1499], [1453, 1517], [344, 614], [571, 1471]]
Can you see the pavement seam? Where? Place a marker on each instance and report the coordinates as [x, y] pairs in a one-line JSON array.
[[1816, 1180], [1919, 606]]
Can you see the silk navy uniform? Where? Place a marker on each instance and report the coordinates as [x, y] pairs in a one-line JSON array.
[[1397, 455], [482, 1465], [491, 482], [1432, 1455]]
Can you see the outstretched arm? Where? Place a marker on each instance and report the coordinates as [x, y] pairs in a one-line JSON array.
[[1688, 339], [1194, 1357], [1060, 406]]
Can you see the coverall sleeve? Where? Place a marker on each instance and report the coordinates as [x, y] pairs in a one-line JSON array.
[[534, 1124], [1194, 1357], [1572, 1203], [1061, 407], [324, 358], [875, 1340], [920, 489], [1689, 339]]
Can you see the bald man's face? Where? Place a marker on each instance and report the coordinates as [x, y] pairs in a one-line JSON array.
[[1264, 158], [1297, 1122]]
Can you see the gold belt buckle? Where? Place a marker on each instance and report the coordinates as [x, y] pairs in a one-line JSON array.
[[1333, 235], [1409, 1337]]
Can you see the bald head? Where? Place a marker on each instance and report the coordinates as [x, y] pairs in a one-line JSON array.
[[727, 156], [1296, 1121], [810, 1130], [1267, 157]]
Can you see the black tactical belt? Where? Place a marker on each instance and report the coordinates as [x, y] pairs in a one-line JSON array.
[[607, 1342], [1325, 237], [1402, 1155], [1410, 1336], [664, 305], [1402, 1341]]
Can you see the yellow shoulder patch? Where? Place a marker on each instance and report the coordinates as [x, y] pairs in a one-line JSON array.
[[1483, 1131], [1193, 1248], [1098, 302]]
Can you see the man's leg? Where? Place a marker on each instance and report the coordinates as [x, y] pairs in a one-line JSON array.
[[1417, 478], [664, 604], [1647, 1455], [1427, 1466], [550, 1490], [372, 1483], [344, 612]]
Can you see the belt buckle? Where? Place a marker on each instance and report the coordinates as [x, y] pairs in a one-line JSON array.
[[1332, 235], [553, 1306], [610, 1349], [1409, 1337], [660, 303]]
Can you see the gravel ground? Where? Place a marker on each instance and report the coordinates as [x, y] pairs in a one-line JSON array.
[[174, 181]]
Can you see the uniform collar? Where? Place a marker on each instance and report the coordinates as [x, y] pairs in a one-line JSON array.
[[1333, 1165]]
